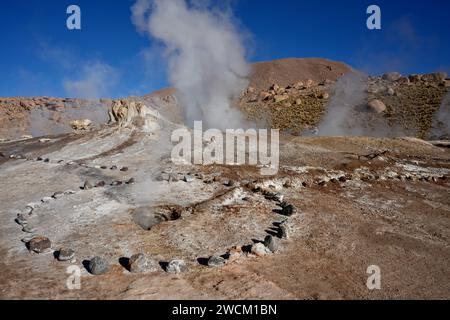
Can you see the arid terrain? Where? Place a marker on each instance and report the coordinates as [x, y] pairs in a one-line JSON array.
[[108, 199]]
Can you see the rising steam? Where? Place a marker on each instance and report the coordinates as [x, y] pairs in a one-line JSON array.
[[206, 58]]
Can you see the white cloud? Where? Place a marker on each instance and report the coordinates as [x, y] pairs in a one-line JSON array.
[[96, 80]]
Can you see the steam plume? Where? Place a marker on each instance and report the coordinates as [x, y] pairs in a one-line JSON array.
[[206, 58]]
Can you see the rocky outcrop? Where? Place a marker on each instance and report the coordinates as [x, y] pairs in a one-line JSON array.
[[128, 113]]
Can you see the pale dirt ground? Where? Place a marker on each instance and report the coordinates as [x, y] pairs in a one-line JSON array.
[[340, 228]]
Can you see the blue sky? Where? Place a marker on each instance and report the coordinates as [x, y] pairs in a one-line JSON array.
[[40, 56]]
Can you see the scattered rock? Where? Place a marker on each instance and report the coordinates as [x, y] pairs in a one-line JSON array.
[[58, 195], [298, 102], [216, 261], [287, 209], [229, 183], [47, 199], [113, 167], [21, 220], [44, 140], [39, 244], [100, 184], [28, 229], [283, 231], [87, 185], [188, 178], [279, 98], [391, 76], [323, 95], [130, 181], [83, 124], [124, 169], [414, 78], [271, 243], [176, 266], [260, 249], [46, 160], [116, 183], [65, 254], [140, 263], [27, 239], [103, 167], [390, 91], [434, 77], [98, 266], [376, 106], [234, 254]]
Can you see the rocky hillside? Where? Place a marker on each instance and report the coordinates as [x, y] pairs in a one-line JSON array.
[[406, 104], [289, 94]]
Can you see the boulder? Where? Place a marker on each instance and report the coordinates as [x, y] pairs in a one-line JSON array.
[[271, 243], [176, 266], [129, 113], [309, 83], [98, 266], [65, 254], [434, 77], [391, 76], [264, 95], [216, 261], [414, 78], [260, 249], [140, 263], [82, 124], [39, 244], [376, 106], [280, 98]]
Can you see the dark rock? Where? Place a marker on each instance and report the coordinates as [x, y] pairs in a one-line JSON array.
[[283, 232], [216, 261], [392, 76], [100, 184], [65, 254], [21, 219], [28, 229], [98, 266], [47, 160], [131, 181], [176, 266], [87, 185], [116, 183], [140, 263], [39, 244], [271, 243], [287, 209], [114, 167], [229, 183], [58, 194], [103, 167], [124, 169]]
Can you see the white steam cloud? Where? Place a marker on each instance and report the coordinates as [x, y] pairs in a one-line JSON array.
[[95, 81], [441, 125], [206, 58], [348, 93]]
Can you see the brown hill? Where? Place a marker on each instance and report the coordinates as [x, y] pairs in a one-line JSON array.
[[285, 72]]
